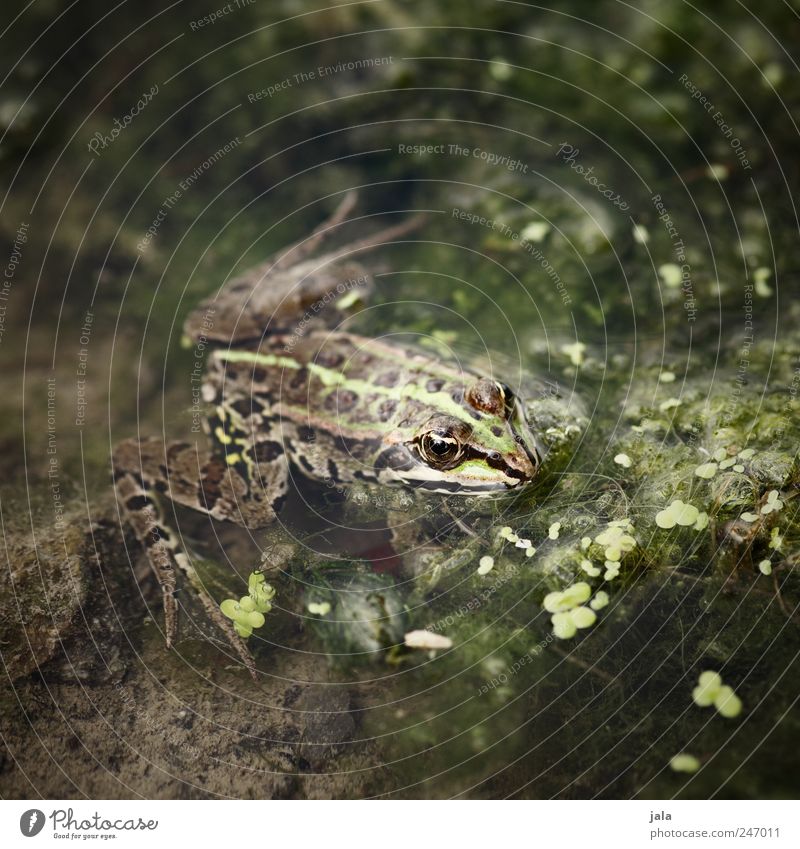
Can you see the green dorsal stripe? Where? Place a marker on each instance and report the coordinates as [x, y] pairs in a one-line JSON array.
[[262, 359], [441, 402]]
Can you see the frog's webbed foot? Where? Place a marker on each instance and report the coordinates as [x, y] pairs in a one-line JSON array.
[[292, 287], [143, 470], [306, 247]]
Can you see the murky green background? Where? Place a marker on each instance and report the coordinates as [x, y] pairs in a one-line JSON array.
[[631, 138]]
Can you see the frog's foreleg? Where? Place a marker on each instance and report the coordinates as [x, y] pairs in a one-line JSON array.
[[141, 512]]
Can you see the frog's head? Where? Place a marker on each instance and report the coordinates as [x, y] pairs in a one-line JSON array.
[[479, 447]]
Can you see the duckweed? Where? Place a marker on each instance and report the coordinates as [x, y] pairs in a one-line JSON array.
[[567, 623], [244, 615], [563, 626], [727, 703], [684, 762], [572, 596], [260, 591], [707, 688], [485, 565], [248, 613], [583, 617], [575, 351], [711, 691], [679, 513], [507, 533], [774, 503], [717, 172], [535, 231], [670, 273], [727, 462], [760, 277], [616, 539], [591, 570], [500, 69]]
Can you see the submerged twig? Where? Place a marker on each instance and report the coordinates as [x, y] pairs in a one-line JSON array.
[[570, 657]]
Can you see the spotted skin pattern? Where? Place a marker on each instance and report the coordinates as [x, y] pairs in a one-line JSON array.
[[285, 395]]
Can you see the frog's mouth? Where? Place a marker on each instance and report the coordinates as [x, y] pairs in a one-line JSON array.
[[523, 436], [472, 481]]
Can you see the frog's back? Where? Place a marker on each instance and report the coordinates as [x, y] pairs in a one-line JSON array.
[[342, 383]]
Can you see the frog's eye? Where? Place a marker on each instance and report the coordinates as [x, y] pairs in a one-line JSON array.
[[490, 396], [439, 448]]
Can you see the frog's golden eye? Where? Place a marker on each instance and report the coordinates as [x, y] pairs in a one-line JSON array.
[[439, 448]]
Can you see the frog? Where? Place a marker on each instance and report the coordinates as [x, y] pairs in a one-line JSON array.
[[292, 395]]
